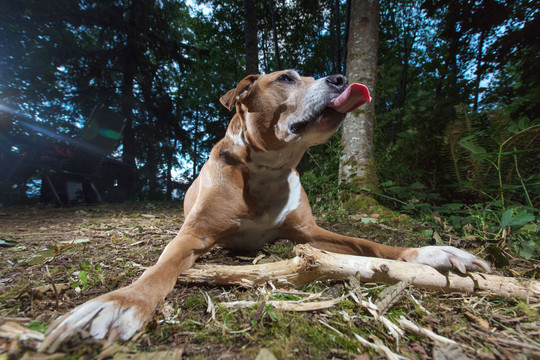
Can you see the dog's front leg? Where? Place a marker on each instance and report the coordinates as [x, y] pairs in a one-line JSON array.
[[121, 313]]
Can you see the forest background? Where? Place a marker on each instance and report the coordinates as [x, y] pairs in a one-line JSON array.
[[456, 103]]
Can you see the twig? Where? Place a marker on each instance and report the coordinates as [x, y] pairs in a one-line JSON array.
[[409, 325], [378, 346], [57, 302]]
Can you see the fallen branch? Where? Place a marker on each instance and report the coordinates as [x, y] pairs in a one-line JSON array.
[[287, 305], [311, 264]]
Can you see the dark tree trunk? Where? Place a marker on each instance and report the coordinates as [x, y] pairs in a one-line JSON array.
[[339, 60], [346, 35], [403, 79], [170, 156], [127, 101], [275, 35], [334, 37], [252, 49], [152, 172], [195, 155]]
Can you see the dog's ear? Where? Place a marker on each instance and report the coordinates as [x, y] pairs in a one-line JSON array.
[[239, 93]]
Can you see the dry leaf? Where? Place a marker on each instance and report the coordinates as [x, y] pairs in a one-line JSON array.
[[119, 352], [477, 320], [265, 354], [389, 296], [449, 352], [45, 288], [437, 238]]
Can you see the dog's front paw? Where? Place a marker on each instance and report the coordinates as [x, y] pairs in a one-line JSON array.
[[115, 315], [446, 258]]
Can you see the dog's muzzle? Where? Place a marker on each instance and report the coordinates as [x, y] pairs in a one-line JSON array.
[[340, 100]]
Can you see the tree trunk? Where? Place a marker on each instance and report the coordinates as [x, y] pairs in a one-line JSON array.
[[275, 35], [333, 36], [195, 156], [170, 157], [403, 80], [152, 172], [338, 37], [357, 166], [252, 50], [127, 101], [347, 28]]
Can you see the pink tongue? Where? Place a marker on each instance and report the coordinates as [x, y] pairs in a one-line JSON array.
[[351, 99]]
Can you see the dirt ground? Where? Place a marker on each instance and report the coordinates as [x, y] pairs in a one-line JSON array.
[[85, 251]]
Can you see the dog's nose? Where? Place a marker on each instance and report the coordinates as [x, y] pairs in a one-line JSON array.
[[339, 82]]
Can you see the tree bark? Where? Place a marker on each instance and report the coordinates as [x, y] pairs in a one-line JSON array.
[[339, 39], [356, 165], [403, 80], [252, 50], [277, 53], [311, 264], [127, 101], [130, 55], [170, 157]]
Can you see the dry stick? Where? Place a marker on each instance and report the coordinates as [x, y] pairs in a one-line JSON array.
[[57, 304], [312, 264]]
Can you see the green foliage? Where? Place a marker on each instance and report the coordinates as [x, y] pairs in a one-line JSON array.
[[320, 180], [425, 134], [526, 243], [88, 277], [486, 155], [37, 326]]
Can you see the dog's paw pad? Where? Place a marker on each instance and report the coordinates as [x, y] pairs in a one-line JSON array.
[[448, 258]]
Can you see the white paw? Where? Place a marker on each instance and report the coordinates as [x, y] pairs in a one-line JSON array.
[[101, 319], [448, 258]]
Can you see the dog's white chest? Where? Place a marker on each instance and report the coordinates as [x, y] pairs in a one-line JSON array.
[[274, 202]]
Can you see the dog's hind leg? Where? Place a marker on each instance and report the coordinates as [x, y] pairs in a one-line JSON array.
[[440, 257]]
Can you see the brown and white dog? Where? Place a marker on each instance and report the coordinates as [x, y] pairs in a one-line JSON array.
[[248, 194]]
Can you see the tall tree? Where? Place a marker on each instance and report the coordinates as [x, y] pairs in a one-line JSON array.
[[250, 29], [357, 166]]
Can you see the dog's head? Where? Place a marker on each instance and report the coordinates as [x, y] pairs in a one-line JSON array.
[[283, 107]]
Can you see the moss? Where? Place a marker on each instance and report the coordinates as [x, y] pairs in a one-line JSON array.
[[358, 202], [368, 180], [304, 334], [527, 310], [355, 198], [281, 248], [195, 302]]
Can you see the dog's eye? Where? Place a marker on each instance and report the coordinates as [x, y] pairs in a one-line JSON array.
[[286, 79]]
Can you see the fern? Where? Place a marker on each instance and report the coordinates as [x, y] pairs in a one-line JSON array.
[[465, 148], [485, 153]]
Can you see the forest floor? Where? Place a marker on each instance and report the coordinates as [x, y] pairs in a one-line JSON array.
[[86, 251]]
